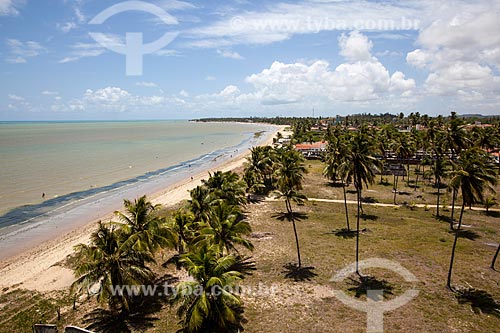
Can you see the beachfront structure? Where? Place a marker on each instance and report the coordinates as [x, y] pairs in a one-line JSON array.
[[312, 150]]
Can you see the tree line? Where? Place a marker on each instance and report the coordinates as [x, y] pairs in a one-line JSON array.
[[208, 235]]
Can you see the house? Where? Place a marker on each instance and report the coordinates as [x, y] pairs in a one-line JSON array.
[[312, 150]]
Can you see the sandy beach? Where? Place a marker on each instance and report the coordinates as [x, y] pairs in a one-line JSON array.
[[38, 269]]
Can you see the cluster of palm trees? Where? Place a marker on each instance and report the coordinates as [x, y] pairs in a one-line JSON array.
[[207, 235], [279, 170], [453, 153], [351, 158]]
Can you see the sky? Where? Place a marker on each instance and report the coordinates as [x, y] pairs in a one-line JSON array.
[[169, 59]]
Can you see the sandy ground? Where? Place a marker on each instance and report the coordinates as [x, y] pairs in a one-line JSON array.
[[39, 268]]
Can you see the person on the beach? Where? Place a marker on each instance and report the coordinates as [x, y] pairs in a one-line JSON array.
[[43, 195]]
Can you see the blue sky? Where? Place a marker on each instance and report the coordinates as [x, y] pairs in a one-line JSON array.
[[250, 58]]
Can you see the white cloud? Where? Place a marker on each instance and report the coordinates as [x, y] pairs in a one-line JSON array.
[[362, 78], [400, 83], [83, 50], [210, 78], [280, 21], [355, 47], [107, 95], [229, 91], [461, 52], [19, 51], [230, 54], [184, 93], [418, 58], [146, 84], [16, 97], [79, 15], [388, 53], [167, 53], [66, 27], [10, 7], [49, 93], [16, 60], [175, 5], [115, 99], [68, 59]]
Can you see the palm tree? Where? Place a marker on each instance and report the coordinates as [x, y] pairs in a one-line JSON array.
[[108, 263], [456, 141], [362, 169], [182, 227], [337, 166], [141, 226], [225, 228], [290, 173], [418, 144], [200, 202], [210, 302], [488, 203], [439, 167], [226, 186], [259, 169], [473, 174], [439, 171], [402, 147]]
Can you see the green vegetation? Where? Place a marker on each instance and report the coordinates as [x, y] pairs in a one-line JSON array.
[[233, 215]]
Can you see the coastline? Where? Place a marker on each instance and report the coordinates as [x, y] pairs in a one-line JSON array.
[[37, 268]]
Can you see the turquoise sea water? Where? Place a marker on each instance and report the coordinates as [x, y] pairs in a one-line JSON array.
[[69, 161]]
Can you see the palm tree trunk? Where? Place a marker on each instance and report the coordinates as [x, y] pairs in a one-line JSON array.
[[345, 205], [495, 257], [357, 233], [454, 197], [423, 177], [408, 167], [395, 187], [416, 179], [289, 208], [457, 231], [439, 193]]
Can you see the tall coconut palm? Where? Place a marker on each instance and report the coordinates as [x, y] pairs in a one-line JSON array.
[[210, 303], [439, 167], [362, 169], [456, 141], [225, 228], [385, 137], [141, 226], [337, 167], [290, 174], [106, 263], [439, 170], [403, 148], [474, 173]]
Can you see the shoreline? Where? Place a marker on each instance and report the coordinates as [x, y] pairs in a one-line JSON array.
[[37, 268]]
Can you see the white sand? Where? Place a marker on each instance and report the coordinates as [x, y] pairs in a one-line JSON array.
[[38, 269]]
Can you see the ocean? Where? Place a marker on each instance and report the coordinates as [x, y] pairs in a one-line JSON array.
[[51, 168]]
